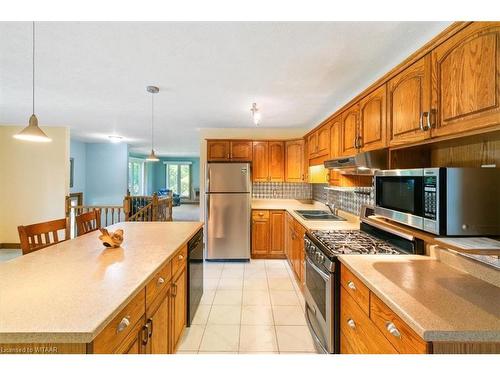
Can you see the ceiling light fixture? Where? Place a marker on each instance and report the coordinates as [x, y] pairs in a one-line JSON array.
[[255, 114], [153, 90], [32, 132], [115, 138]]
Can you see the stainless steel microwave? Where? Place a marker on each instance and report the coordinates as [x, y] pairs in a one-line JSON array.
[[443, 201]]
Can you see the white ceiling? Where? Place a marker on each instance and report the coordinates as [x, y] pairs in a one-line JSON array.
[[92, 76]]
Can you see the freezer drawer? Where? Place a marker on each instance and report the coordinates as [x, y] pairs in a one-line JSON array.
[[228, 226]]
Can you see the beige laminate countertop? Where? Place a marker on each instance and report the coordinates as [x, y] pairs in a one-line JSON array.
[[290, 205], [439, 302], [69, 292]]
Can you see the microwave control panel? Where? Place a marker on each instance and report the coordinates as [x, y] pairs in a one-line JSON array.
[[430, 197]]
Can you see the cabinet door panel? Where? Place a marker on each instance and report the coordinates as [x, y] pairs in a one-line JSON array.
[[218, 150], [178, 307], [312, 145], [409, 98], [260, 163], [294, 161], [323, 139], [466, 72], [335, 135], [159, 325], [276, 161], [260, 236], [349, 130], [277, 226], [241, 150], [372, 130]]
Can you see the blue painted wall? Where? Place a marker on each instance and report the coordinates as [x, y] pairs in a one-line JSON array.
[[106, 173], [78, 151]]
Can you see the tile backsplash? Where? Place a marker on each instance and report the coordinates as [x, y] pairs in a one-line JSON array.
[[348, 199], [281, 190]]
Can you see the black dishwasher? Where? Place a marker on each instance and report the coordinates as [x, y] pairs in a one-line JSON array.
[[195, 275]]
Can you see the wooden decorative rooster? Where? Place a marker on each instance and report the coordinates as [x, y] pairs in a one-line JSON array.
[[113, 239]]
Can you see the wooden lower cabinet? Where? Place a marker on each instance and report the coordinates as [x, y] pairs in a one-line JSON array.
[[153, 322], [368, 326], [268, 236], [294, 246]]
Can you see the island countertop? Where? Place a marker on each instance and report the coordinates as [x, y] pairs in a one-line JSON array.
[[68, 292], [437, 301]]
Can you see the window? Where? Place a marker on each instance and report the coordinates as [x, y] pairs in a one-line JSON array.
[[179, 178], [136, 176]]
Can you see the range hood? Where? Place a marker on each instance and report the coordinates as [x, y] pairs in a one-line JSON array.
[[363, 163]]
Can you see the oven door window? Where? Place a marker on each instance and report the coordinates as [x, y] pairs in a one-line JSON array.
[[400, 193], [317, 286]]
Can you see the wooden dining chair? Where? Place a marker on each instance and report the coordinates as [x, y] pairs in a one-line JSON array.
[[38, 236], [88, 222]]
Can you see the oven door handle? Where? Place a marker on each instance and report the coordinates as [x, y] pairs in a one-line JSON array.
[[323, 275], [314, 334]]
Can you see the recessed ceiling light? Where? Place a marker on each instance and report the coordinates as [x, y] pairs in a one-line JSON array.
[[115, 138]]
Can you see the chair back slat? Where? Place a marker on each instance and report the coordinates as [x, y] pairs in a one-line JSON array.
[[88, 222], [37, 236]]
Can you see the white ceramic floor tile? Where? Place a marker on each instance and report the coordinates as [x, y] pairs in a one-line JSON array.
[[208, 297], [221, 338], [255, 284], [234, 265], [232, 273], [186, 352], [202, 313], [213, 265], [294, 339], [275, 263], [256, 263], [228, 297], [224, 314], [257, 315], [280, 283], [210, 283], [256, 298], [277, 272], [255, 273], [212, 273], [191, 338], [258, 339], [288, 316], [284, 298], [227, 283]]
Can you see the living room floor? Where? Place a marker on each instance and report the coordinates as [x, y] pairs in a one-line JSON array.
[[186, 212]]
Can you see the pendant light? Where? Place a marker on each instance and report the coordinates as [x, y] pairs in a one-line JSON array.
[[256, 116], [153, 90], [32, 132]]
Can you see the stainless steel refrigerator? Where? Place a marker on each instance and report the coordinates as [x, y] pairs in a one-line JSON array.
[[228, 194]]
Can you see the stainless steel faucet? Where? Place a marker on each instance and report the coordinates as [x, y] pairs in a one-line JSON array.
[[332, 207]]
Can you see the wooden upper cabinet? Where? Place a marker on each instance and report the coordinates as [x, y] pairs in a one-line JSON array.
[[409, 99], [218, 150], [372, 120], [276, 161], [260, 162], [323, 136], [335, 126], [241, 150], [465, 82], [312, 145], [294, 161], [349, 131]]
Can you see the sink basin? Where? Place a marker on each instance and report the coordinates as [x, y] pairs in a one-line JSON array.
[[318, 215]]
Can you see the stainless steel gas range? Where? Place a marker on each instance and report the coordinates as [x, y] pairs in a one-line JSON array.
[[322, 276]]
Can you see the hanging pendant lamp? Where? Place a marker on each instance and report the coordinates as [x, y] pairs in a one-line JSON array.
[[153, 90], [32, 132]]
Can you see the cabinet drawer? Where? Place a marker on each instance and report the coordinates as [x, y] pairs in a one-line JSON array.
[[356, 289], [179, 260], [402, 337], [120, 327], [158, 283], [358, 333], [260, 214]]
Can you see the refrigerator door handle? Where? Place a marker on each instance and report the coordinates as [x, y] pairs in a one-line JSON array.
[[208, 207]]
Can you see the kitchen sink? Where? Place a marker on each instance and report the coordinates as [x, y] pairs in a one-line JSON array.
[[318, 215]]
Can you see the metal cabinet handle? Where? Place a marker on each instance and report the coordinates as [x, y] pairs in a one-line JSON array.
[[360, 143], [429, 124], [180, 257], [351, 323], [393, 330], [421, 121], [145, 334], [356, 142], [261, 214], [124, 323], [161, 280], [149, 324], [351, 285], [228, 156]]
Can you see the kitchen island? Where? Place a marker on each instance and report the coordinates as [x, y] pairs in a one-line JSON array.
[[80, 297]]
